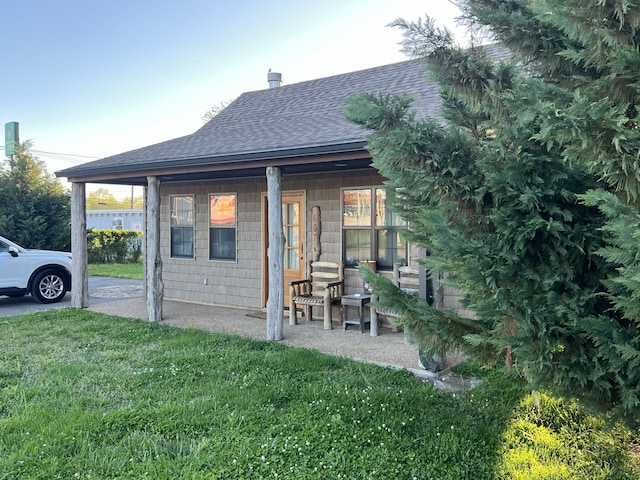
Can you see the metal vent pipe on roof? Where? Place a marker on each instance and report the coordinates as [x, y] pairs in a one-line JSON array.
[[274, 79]]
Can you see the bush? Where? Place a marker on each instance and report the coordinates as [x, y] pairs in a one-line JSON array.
[[114, 246], [557, 438]]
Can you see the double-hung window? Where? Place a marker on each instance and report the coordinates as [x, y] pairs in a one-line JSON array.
[[181, 226], [222, 226], [370, 229]]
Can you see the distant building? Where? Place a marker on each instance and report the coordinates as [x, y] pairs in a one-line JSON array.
[[118, 219]]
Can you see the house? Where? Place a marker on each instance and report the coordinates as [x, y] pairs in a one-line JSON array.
[[117, 219], [207, 193]]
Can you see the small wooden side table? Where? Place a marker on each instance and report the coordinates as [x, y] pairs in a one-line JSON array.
[[359, 301]]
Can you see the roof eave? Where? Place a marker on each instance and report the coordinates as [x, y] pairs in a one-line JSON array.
[[233, 160]]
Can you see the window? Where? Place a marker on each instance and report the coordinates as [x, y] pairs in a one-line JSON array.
[[222, 227], [117, 224], [181, 226], [370, 230]]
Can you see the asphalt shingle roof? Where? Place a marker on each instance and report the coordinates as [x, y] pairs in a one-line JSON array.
[[267, 123], [284, 122]]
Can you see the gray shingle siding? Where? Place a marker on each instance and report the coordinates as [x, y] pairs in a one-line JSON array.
[[240, 283]]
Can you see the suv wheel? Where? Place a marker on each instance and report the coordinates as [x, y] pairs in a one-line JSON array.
[[48, 287]]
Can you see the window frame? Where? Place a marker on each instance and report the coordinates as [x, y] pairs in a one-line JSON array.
[[231, 225], [117, 223], [374, 228], [183, 228]]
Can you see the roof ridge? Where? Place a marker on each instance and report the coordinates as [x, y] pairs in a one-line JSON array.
[[328, 77]]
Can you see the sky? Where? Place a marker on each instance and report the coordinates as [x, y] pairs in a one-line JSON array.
[[87, 79]]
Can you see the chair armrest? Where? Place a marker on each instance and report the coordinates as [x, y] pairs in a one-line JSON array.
[[335, 288], [300, 287]]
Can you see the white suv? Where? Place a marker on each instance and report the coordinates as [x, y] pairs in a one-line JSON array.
[[45, 274]]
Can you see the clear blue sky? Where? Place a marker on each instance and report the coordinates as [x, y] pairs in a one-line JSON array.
[[97, 78]]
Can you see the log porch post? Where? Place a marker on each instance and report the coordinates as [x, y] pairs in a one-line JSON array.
[[275, 255], [79, 263], [153, 261]]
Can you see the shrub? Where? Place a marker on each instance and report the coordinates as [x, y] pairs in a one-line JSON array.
[[114, 246]]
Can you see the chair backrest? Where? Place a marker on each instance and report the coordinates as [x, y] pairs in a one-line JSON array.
[[406, 277], [323, 273]]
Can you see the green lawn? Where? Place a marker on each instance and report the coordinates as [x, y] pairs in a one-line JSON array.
[[84, 395], [118, 270]]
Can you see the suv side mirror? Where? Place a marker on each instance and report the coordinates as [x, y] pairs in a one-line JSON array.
[[13, 251]]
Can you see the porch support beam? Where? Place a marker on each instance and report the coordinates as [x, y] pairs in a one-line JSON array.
[[153, 261], [275, 255], [79, 264]]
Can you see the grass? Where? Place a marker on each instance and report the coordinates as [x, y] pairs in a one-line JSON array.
[[84, 395], [117, 270]]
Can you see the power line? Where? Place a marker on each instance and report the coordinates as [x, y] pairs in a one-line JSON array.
[[64, 157], [66, 154]]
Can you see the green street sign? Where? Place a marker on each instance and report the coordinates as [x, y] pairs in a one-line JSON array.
[[11, 137]]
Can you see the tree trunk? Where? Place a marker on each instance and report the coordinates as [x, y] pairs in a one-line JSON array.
[[275, 256], [153, 260], [80, 264]]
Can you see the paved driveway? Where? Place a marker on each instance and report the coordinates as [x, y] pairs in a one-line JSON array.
[[101, 290]]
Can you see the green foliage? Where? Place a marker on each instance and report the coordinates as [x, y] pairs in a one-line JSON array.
[[114, 246], [494, 196], [103, 199], [84, 395], [34, 207], [589, 51], [544, 430], [622, 251]]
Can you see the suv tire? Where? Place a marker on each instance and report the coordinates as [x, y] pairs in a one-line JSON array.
[[48, 286]]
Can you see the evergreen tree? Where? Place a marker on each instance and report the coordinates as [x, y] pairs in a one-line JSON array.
[[505, 202], [34, 207]]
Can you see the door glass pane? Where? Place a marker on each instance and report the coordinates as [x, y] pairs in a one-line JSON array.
[[293, 213], [293, 240], [292, 247], [291, 224], [291, 259]]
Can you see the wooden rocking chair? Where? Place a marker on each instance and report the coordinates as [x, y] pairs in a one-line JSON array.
[[404, 277], [323, 289]]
